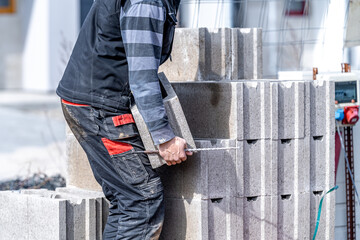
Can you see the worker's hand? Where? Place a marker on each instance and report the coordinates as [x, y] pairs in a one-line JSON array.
[[173, 151]]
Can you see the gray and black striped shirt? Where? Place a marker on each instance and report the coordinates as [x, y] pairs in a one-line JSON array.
[[142, 26]]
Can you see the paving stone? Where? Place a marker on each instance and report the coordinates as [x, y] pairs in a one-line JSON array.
[[205, 175]]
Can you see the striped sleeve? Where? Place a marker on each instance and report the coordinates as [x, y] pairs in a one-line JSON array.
[[142, 25]]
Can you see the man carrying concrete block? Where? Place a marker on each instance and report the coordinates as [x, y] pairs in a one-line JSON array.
[[114, 63]]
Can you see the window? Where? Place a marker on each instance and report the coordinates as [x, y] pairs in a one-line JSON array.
[[296, 7], [7, 6]]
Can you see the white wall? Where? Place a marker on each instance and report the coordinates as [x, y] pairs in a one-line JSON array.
[[50, 36], [36, 43], [10, 51], [36, 48]]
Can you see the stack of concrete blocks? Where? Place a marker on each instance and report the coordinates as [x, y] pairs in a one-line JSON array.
[[270, 187], [64, 214]]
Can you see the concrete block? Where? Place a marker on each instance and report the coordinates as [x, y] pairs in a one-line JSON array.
[[294, 216], [293, 166], [257, 168], [244, 109], [205, 175], [176, 118], [202, 219], [254, 104], [210, 108], [79, 173], [96, 209], [327, 220], [246, 50], [322, 108], [322, 157], [80, 213], [290, 119], [24, 216], [215, 54], [200, 55], [259, 217], [287, 216], [175, 113]]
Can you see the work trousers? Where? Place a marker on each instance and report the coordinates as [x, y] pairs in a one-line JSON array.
[[128, 181]]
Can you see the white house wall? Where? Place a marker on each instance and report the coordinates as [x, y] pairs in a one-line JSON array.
[[51, 33], [36, 42], [10, 51]]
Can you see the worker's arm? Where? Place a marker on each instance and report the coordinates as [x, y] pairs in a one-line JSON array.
[[142, 25]]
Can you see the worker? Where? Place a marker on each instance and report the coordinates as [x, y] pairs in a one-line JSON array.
[[114, 64]]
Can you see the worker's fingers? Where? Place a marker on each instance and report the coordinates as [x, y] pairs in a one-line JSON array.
[[182, 154], [189, 153]]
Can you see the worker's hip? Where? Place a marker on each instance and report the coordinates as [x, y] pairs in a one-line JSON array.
[[109, 140]]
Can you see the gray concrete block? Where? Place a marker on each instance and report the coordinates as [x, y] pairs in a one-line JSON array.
[[322, 108], [9, 204], [327, 220], [287, 216], [205, 175], [215, 54], [97, 208], [175, 113], [176, 118], [202, 219], [79, 173], [23, 216], [259, 217], [294, 216], [322, 157], [200, 55], [246, 49], [293, 166], [290, 119], [244, 109], [257, 168], [254, 105], [210, 108], [188, 216], [62, 214]]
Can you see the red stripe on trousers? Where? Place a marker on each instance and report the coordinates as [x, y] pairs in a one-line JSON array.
[[114, 147]]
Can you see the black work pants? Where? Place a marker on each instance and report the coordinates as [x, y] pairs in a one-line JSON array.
[[130, 184]]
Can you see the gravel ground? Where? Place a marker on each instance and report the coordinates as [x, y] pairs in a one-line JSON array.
[[37, 181]]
